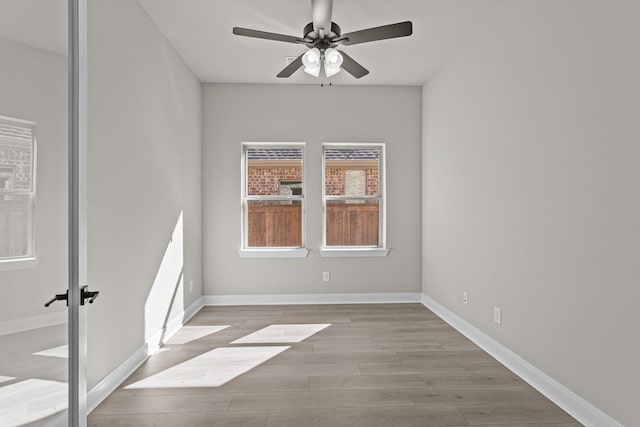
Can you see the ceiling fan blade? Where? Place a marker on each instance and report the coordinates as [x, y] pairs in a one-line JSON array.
[[401, 29], [352, 66], [291, 68], [321, 14], [266, 35]]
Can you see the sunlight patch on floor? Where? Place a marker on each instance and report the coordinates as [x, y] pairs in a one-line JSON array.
[[61, 352], [211, 369], [282, 334], [186, 334], [31, 400]]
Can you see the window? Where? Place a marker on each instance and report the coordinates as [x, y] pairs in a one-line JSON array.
[[353, 200], [273, 200], [17, 188]]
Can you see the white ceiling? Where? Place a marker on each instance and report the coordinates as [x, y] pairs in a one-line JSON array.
[[201, 32]]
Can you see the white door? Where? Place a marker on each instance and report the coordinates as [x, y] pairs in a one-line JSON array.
[[42, 220]]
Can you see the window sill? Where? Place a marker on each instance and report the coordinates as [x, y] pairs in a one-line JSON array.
[[274, 253], [18, 264], [353, 252]]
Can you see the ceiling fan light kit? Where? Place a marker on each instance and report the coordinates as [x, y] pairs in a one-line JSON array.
[[332, 62], [311, 61], [322, 43], [314, 59]]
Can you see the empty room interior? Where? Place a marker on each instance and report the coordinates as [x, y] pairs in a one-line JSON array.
[[426, 215]]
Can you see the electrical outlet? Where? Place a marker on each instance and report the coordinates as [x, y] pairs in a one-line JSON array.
[[190, 285], [465, 298], [325, 276], [497, 315]]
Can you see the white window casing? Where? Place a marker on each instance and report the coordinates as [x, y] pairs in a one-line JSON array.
[[354, 193], [284, 196]]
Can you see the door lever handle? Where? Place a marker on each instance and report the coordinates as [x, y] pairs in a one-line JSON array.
[[58, 297], [86, 293], [92, 295]]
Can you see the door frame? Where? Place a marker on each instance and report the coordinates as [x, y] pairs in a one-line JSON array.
[[77, 128]]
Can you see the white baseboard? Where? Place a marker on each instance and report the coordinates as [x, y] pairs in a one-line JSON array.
[[290, 299], [112, 381], [191, 311], [161, 336], [573, 404]]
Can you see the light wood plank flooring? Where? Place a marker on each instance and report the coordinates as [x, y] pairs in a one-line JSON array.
[[376, 365]]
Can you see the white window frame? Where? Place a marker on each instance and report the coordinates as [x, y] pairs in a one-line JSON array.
[[28, 260], [357, 251], [271, 252]]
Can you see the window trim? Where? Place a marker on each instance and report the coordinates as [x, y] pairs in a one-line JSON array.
[[273, 253], [357, 251], [29, 260], [352, 252], [24, 263], [245, 250]]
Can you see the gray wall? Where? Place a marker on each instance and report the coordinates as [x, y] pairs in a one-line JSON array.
[[144, 171], [33, 86], [236, 113], [531, 165]]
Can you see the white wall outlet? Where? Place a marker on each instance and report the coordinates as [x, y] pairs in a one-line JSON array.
[[190, 285], [465, 298], [497, 315], [326, 276]]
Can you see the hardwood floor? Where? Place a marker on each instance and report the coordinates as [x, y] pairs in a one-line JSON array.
[[375, 365]]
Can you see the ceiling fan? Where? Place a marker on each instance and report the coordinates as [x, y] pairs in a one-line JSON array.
[[322, 36]]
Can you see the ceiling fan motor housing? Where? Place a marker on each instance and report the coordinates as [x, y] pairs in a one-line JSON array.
[[321, 43]]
